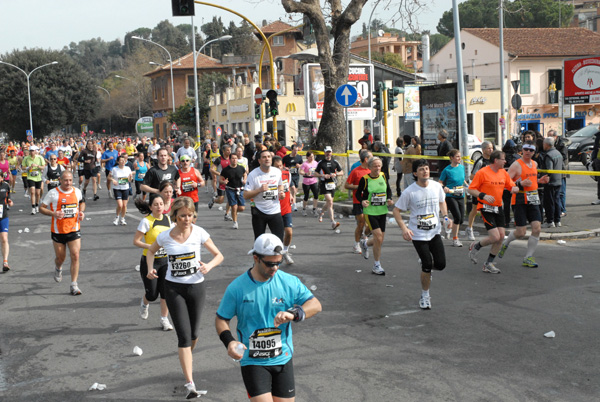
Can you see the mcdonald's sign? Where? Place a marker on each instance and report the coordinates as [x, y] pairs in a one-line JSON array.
[[291, 107]]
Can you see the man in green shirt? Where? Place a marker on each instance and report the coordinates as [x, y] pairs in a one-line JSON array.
[[34, 165]]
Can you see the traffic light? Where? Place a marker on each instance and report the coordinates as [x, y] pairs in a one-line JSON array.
[[192, 112], [393, 97], [257, 112], [182, 8], [273, 109], [378, 100]]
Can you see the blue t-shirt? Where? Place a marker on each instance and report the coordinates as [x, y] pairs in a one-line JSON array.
[[108, 165], [256, 304], [454, 177], [51, 152]]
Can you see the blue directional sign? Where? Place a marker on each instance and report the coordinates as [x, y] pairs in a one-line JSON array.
[[346, 95], [29, 135]]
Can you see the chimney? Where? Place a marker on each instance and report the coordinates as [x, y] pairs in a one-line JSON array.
[[426, 53]]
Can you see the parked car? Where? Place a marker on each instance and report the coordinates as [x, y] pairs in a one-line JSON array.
[[474, 147], [582, 143]]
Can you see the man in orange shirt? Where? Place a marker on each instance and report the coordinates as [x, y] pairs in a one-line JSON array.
[[65, 204], [357, 209], [487, 186]]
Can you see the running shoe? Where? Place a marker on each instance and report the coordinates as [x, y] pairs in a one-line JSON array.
[[191, 391], [456, 243], [144, 308], [32, 210], [227, 217], [235, 225], [502, 250], [304, 212], [597, 202], [321, 218], [425, 302], [294, 208], [99, 186], [25, 194], [211, 203], [378, 270], [166, 325], [37, 209], [123, 222], [356, 249], [529, 262], [548, 225], [470, 234], [558, 224], [96, 197], [5, 267], [288, 258], [315, 211], [473, 253], [334, 225], [57, 275], [75, 291], [116, 221], [490, 268], [365, 248]]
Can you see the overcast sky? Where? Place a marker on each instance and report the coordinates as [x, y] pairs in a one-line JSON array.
[[52, 24]]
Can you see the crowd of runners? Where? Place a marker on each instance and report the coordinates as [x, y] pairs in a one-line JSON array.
[[165, 180]]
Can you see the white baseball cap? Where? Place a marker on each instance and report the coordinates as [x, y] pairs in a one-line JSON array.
[[34, 148], [328, 149], [267, 244]]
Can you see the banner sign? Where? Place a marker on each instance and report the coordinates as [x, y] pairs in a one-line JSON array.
[[581, 81]]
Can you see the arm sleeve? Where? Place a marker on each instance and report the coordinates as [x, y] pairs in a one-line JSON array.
[[388, 189], [361, 192]]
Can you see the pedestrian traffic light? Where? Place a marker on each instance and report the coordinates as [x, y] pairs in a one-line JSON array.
[[257, 112], [378, 100], [392, 97], [192, 112], [273, 109], [182, 8]]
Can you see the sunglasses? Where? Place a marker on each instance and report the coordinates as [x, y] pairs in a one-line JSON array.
[[528, 149], [185, 160], [272, 264]]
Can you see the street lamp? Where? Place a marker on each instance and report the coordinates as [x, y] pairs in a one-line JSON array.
[[170, 63], [28, 86], [369, 37], [222, 38], [139, 94], [109, 116]]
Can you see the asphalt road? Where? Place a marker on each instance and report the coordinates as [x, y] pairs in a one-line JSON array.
[[482, 341]]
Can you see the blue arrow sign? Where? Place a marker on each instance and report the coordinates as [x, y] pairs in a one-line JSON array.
[[346, 95]]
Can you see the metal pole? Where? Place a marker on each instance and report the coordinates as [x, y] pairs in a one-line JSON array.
[[369, 35], [502, 81], [347, 143], [29, 99], [196, 103], [109, 116], [462, 109]]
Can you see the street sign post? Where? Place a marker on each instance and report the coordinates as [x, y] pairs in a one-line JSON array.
[[218, 131], [174, 127], [346, 95], [258, 98]]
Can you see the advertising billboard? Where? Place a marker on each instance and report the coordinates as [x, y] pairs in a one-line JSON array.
[[411, 103], [439, 110], [581, 80], [360, 76]]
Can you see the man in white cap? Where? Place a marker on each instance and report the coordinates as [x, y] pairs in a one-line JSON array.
[[265, 301]]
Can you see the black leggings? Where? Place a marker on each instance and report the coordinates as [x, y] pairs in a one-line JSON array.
[[24, 182], [431, 253], [260, 221], [307, 188], [185, 303], [154, 287], [138, 188], [398, 182], [456, 206]]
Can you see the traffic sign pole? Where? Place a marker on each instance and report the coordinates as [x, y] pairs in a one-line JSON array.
[[346, 95]]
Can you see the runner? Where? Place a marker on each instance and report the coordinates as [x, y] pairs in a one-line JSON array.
[[66, 205], [375, 195], [52, 172], [234, 177], [265, 301], [293, 162], [131, 150], [487, 187], [98, 167], [484, 160], [184, 284], [158, 174], [424, 199], [24, 172], [166, 191], [34, 165], [63, 161], [453, 180], [265, 187], [357, 208], [309, 183], [213, 154], [121, 177], [5, 204], [5, 167], [88, 157], [327, 170], [149, 228], [140, 167], [526, 203], [286, 209], [191, 180], [188, 150], [13, 164], [218, 165], [109, 158]]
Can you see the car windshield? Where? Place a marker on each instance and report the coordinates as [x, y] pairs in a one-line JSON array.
[[586, 131]]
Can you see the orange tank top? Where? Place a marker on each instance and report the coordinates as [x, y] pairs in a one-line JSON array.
[[529, 194], [69, 204], [187, 188]]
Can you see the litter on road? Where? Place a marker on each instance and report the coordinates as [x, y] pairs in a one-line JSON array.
[[550, 334]]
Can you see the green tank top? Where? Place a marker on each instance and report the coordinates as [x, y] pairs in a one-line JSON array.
[[377, 195]]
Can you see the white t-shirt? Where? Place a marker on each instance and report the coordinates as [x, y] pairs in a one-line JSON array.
[[67, 151], [424, 206], [268, 201], [187, 151], [152, 150], [183, 258], [121, 176]]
